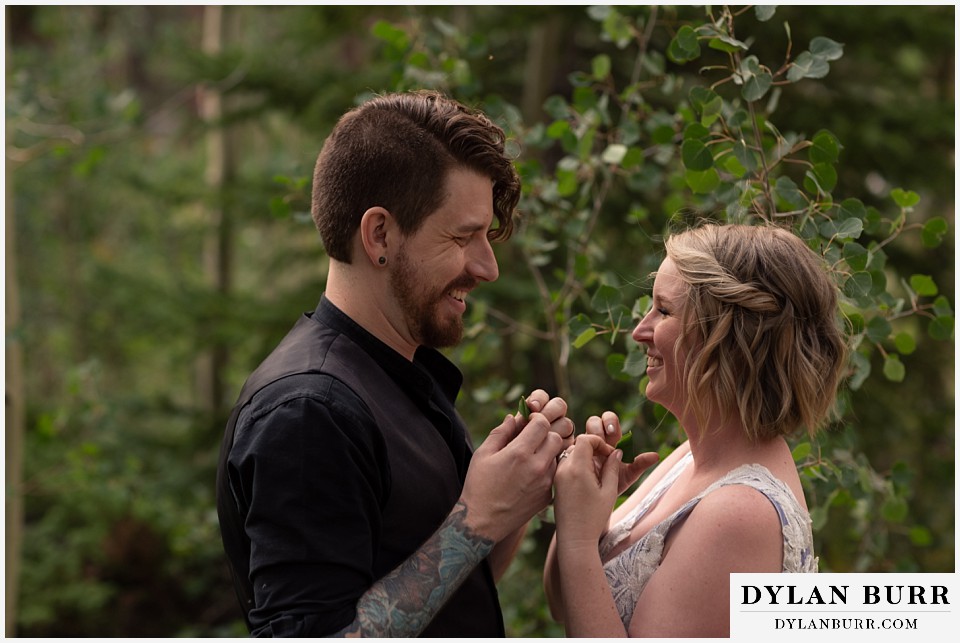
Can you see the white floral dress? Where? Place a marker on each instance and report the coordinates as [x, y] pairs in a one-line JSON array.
[[629, 571]]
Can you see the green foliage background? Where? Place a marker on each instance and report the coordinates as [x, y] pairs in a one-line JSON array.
[[835, 121]]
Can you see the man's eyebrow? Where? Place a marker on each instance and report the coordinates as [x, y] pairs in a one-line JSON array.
[[470, 228]]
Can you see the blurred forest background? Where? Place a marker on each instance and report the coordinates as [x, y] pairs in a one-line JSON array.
[[159, 244]]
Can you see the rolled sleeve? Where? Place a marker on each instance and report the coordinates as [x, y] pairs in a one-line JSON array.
[[309, 468]]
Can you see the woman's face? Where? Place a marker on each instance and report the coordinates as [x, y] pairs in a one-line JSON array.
[[659, 331]]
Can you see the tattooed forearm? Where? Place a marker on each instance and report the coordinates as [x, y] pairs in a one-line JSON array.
[[402, 603]]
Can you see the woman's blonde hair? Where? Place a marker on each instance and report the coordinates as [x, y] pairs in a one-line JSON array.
[[762, 322]]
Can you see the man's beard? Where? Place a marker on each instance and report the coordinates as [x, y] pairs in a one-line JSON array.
[[422, 309]]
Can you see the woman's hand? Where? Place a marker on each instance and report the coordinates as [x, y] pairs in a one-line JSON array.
[[607, 427], [583, 499]]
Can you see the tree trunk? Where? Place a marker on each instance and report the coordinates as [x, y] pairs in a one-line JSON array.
[[217, 242], [543, 49], [542, 62], [15, 415]]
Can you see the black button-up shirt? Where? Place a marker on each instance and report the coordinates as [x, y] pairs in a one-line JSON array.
[[345, 458]]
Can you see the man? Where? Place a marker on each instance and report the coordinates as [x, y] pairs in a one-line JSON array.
[[350, 499]]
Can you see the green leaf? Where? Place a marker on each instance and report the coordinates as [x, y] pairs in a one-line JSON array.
[[556, 107], [941, 328], [825, 48], [894, 509], [818, 517], [617, 28], [584, 337], [633, 158], [847, 229], [279, 207], [390, 34], [893, 368], [941, 306], [557, 129], [879, 281], [579, 324], [858, 285], [764, 12], [732, 165], [702, 182], [641, 306], [522, 406], [747, 157], [857, 323], [920, 536], [872, 221], [685, 46], [933, 231], [923, 285], [855, 255], [788, 192], [696, 131], [636, 363], [756, 80], [707, 103], [614, 154], [615, 363], [801, 451], [807, 66], [696, 156], [601, 66], [851, 209], [825, 148], [905, 343], [822, 177], [723, 42], [878, 329], [905, 199], [606, 299], [861, 370], [663, 134], [567, 183]]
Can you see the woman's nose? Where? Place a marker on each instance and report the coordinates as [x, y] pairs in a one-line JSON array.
[[642, 333]]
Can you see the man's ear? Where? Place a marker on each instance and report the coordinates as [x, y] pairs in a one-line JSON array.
[[377, 229]]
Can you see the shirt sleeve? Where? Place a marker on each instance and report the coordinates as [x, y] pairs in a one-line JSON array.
[[311, 472]]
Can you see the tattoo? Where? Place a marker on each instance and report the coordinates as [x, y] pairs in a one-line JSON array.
[[402, 603]]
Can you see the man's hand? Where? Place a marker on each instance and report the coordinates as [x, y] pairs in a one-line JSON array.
[[540, 401], [511, 473]]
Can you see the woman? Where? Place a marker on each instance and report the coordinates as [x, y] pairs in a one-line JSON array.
[[744, 348]]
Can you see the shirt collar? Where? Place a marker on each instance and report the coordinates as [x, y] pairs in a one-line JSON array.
[[428, 369]]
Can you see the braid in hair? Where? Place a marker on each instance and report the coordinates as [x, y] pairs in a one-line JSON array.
[[761, 322]]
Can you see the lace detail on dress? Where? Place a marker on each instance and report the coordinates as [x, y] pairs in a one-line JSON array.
[[629, 571]]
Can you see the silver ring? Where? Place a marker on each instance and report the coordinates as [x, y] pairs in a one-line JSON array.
[[562, 455]]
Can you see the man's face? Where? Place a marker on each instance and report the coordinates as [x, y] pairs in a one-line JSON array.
[[446, 258]]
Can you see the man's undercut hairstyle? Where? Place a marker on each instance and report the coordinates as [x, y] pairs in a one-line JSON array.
[[395, 151], [763, 326]]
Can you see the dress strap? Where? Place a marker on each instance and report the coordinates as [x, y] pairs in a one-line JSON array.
[[622, 529]]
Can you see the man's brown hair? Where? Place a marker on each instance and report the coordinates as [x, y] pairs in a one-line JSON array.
[[395, 151]]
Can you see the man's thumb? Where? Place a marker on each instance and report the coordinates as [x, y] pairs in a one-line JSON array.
[[501, 435]]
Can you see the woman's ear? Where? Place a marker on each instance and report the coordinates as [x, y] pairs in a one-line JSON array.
[[377, 228]]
